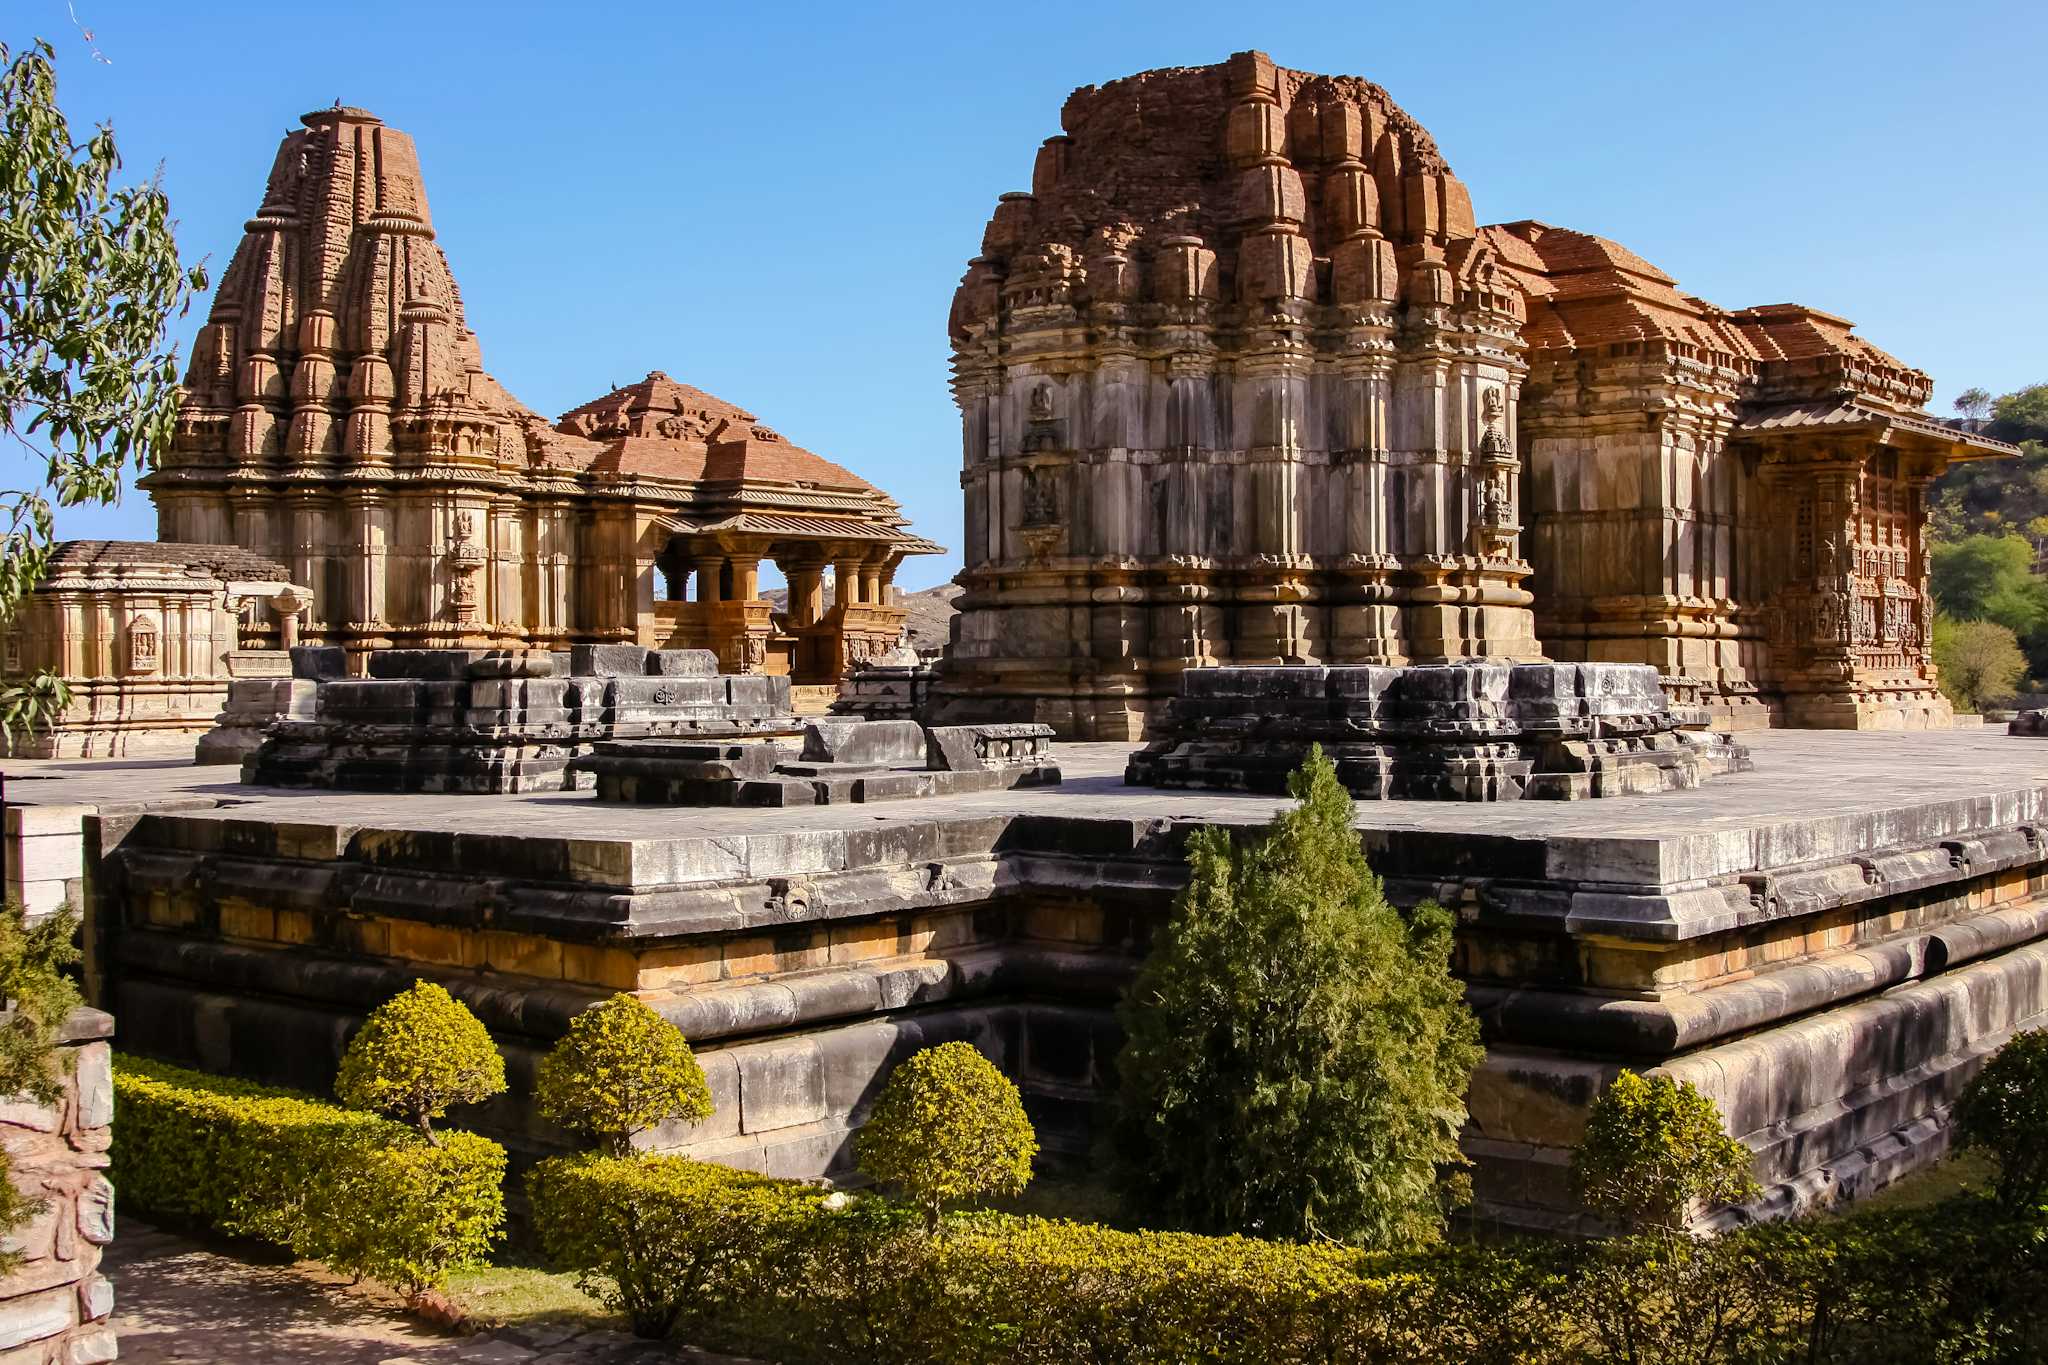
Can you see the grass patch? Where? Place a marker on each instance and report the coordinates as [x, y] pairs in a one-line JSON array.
[[515, 1292], [1930, 1184]]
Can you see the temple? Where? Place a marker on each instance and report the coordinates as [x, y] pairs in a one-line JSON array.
[[1243, 382], [338, 419]]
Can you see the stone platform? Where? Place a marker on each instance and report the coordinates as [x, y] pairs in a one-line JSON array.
[[840, 761], [1828, 945], [496, 721], [1478, 731]]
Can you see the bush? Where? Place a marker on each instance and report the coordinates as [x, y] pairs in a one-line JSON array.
[[417, 1053], [664, 1240], [948, 1126], [1297, 1054], [1976, 662], [777, 1268], [620, 1070], [360, 1192], [784, 1271], [1653, 1148], [2004, 1111]]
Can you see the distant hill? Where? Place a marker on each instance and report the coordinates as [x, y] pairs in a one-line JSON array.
[[931, 612]]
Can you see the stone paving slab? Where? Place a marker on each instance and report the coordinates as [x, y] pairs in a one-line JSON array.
[[1812, 794], [182, 1302]]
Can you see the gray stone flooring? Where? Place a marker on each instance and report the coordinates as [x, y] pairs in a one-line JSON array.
[[177, 1300], [1824, 791]]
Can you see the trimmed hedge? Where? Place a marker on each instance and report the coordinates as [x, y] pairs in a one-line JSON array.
[[362, 1193], [775, 1268]]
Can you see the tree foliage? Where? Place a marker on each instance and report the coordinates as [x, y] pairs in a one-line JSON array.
[[89, 281], [1989, 578], [1978, 662], [1297, 1053], [38, 995], [948, 1126], [1655, 1148], [418, 1053], [620, 1070], [1974, 403], [2021, 415], [2004, 1111]]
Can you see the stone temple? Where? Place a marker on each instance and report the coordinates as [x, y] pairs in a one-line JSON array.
[[1267, 443], [1243, 381], [338, 419]]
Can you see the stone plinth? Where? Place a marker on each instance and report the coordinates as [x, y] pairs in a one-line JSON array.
[[1828, 944], [477, 721], [56, 1306], [841, 761], [1478, 731]]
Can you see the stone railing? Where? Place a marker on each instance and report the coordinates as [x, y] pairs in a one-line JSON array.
[[56, 1305]]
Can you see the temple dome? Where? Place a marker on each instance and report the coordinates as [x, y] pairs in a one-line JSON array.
[[1243, 180]]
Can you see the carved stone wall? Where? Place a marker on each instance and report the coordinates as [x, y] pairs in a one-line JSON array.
[[149, 637], [1736, 498], [55, 1308], [1239, 384]]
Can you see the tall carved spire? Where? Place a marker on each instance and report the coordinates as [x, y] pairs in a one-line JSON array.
[[338, 326]]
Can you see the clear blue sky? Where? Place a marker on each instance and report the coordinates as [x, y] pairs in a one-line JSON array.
[[774, 202]]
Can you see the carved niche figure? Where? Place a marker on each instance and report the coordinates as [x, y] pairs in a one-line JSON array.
[[143, 645], [1041, 496], [466, 559], [753, 654]]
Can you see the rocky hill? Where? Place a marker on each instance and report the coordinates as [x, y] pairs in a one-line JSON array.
[[931, 612]]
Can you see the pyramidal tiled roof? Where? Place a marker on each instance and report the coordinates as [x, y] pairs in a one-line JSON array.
[[664, 428]]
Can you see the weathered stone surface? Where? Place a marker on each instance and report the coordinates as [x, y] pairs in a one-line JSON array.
[[889, 743], [478, 721], [54, 1306], [149, 638], [1454, 732]]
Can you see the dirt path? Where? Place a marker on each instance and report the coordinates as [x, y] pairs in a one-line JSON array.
[[177, 1300]]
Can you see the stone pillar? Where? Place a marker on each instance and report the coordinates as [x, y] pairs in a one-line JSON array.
[[846, 582], [710, 569], [806, 593], [746, 577]]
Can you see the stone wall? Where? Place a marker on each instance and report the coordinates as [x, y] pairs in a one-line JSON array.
[[54, 1309]]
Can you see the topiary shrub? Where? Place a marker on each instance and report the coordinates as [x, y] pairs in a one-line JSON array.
[[418, 1053], [2004, 1111], [1297, 1053], [1654, 1148], [948, 1126], [620, 1070]]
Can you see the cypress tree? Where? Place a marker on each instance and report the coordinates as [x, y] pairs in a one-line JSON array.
[[1297, 1051]]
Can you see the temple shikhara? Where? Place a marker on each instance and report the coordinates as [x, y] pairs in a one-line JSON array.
[[339, 420], [1243, 381]]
